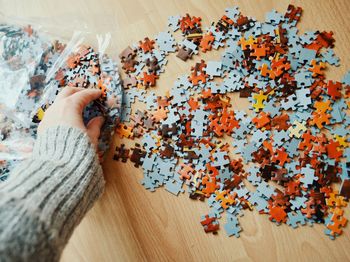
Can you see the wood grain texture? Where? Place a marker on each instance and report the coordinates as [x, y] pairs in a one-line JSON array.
[[131, 224]]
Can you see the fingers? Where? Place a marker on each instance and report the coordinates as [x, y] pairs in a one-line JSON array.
[[84, 97], [94, 128], [67, 91]]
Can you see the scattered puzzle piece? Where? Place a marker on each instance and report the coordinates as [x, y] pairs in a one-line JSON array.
[[280, 72]]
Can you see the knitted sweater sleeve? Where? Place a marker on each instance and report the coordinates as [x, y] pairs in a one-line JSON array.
[[47, 196]]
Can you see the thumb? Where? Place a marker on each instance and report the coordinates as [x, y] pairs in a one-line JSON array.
[[94, 128], [84, 97], [67, 91]]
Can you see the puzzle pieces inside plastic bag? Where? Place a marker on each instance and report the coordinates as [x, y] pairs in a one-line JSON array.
[[16, 144], [21, 58], [86, 68], [35, 66]]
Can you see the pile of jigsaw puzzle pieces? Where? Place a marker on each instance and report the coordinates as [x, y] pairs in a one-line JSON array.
[[33, 70], [286, 156]]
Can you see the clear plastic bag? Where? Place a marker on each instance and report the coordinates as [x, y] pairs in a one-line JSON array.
[[21, 51], [37, 62], [16, 144]]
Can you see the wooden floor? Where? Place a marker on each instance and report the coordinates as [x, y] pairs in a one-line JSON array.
[[131, 224]]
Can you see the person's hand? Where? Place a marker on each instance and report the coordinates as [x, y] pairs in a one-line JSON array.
[[67, 110]]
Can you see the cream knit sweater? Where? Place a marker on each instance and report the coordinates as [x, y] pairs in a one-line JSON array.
[[47, 196]]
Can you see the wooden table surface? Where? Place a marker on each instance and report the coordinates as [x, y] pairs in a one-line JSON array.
[[131, 224]]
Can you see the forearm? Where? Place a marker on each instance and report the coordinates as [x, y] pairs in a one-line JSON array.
[[48, 195]]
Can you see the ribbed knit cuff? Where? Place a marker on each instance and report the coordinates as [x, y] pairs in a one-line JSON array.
[[63, 144], [63, 168], [47, 195]]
